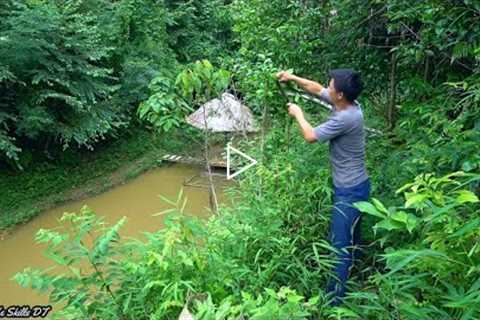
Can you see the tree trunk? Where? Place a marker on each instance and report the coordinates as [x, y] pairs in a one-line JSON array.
[[391, 113]]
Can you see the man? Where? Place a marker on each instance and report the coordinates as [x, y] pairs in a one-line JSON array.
[[345, 133]]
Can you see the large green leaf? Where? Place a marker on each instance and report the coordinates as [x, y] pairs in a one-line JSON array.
[[367, 207]]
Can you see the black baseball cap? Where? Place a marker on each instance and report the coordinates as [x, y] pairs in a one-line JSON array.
[[347, 81]]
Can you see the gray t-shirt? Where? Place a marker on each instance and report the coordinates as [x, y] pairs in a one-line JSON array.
[[344, 130]]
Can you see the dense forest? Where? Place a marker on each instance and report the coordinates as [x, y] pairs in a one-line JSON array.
[[78, 74]]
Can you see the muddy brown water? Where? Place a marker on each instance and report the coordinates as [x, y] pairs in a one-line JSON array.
[[137, 200]]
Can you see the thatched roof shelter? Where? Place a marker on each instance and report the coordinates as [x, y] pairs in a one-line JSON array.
[[227, 114]]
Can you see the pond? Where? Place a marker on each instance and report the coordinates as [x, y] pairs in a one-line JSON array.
[[138, 200]]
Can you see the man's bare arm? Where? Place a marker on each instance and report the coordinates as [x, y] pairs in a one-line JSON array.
[[306, 84], [305, 127]]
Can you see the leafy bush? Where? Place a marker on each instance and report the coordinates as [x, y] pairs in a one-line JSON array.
[[58, 88], [430, 252], [170, 102], [267, 256], [73, 72], [257, 244], [164, 108]]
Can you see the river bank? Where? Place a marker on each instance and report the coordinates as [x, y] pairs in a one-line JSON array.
[[77, 175]]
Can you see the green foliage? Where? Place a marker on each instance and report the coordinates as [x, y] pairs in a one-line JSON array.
[[164, 109], [74, 72], [202, 82], [267, 256], [431, 251], [288, 35], [256, 80], [58, 89], [438, 33], [53, 84], [138, 29], [89, 241], [284, 304], [199, 29], [171, 102], [259, 243], [7, 145]]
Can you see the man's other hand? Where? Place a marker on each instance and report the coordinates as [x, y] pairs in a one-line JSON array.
[[284, 76], [294, 110]]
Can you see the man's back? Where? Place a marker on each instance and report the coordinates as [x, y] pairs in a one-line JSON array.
[[344, 129]]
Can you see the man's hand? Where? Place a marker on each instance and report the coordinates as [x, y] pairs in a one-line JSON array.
[[307, 85], [307, 130], [284, 76], [294, 110]]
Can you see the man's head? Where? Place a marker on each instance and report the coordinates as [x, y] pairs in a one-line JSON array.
[[345, 85]]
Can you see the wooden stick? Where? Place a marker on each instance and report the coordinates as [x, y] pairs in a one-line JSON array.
[[287, 116]]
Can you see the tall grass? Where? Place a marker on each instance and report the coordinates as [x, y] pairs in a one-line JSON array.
[[266, 255]]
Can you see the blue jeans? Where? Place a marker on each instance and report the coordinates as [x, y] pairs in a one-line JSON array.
[[345, 234]]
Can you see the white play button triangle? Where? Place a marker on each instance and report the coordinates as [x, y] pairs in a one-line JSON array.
[[231, 149]]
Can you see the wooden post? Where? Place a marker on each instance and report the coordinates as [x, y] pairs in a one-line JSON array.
[[212, 195]]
